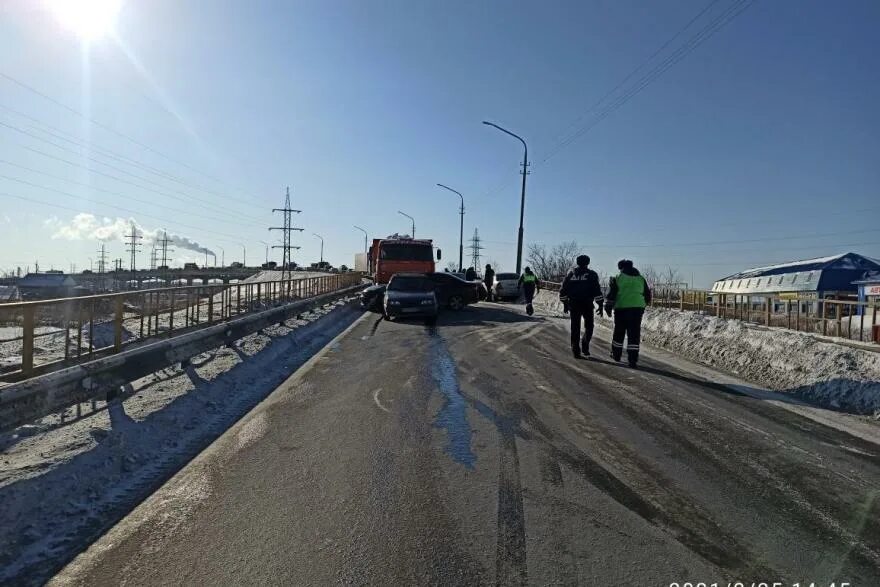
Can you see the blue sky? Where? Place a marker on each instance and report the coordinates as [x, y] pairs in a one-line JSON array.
[[759, 146]]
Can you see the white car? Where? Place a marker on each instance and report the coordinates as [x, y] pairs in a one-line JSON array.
[[506, 286]]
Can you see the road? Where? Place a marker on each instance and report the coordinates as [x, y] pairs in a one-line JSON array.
[[480, 452]]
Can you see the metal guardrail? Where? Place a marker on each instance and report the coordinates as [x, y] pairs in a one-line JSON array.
[[848, 319], [34, 398], [52, 334]]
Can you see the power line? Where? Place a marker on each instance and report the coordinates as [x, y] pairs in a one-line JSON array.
[[111, 130], [731, 242], [175, 195], [732, 12], [70, 138], [640, 67], [133, 199]]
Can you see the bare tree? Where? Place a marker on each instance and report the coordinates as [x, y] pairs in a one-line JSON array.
[[452, 266], [552, 265], [495, 265]]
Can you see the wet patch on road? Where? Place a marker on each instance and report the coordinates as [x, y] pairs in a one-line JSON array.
[[452, 417]]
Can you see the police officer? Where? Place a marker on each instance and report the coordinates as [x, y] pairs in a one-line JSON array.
[[528, 281], [628, 295], [489, 280], [580, 289]]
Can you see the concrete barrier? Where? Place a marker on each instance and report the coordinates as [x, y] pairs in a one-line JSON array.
[[40, 396]]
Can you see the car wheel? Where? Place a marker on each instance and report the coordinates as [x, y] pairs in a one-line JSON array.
[[456, 303]]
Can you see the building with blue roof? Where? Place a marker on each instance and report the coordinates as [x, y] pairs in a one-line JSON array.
[[820, 278]]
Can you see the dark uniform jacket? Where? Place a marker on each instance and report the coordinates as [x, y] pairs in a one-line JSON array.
[[581, 287]]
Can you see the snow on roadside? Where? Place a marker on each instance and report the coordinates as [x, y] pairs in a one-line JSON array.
[[818, 369], [66, 478]]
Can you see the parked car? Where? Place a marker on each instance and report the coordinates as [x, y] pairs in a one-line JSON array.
[[372, 297], [410, 294], [454, 292], [506, 286]]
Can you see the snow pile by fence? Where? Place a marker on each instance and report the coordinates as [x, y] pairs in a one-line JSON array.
[[840, 376], [823, 371]]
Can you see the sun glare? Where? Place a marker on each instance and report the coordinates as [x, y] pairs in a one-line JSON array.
[[89, 19]]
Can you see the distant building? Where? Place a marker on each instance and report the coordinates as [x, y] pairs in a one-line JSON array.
[[190, 266], [825, 277], [42, 286], [869, 288]]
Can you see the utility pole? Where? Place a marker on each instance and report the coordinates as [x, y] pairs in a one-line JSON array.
[[286, 212], [321, 262], [153, 257], [522, 202], [413, 220], [475, 248], [134, 247], [460, 227]]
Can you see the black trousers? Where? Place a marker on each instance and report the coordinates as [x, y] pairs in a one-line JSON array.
[[529, 292], [627, 322], [578, 312]]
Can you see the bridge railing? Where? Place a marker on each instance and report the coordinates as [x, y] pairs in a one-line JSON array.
[[850, 319], [45, 335]]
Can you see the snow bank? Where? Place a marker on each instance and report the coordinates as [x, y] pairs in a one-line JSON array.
[[67, 477], [833, 374]]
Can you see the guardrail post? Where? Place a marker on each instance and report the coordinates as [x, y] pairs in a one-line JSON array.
[[767, 301], [27, 339], [824, 318], [117, 324], [210, 306]]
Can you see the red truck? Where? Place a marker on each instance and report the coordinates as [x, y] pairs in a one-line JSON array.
[[400, 254]]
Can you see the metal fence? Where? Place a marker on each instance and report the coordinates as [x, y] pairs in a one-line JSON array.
[[41, 336], [848, 319]]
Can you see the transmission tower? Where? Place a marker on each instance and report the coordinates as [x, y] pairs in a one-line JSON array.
[[102, 258], [286, 212], [134, 247], [475, 248], [165, 258], [153, 257]]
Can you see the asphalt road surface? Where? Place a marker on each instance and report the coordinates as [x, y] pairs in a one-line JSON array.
[[480, 451]]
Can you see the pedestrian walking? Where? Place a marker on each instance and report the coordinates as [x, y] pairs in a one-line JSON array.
[[628, 294], [489, 280], [580, 290], [530, 285]]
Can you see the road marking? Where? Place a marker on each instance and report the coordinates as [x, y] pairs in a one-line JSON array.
[[378, 403]]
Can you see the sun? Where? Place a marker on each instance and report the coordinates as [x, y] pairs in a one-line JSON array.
[[89, 19]]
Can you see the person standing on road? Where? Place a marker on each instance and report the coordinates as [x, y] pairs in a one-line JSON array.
[[489, 280], [529, 283], [580, 289], [628, 294], [470, 274]]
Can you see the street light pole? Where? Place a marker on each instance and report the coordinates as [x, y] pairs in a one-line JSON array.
[[365, 237], [460, 229], [267, 253], [522, 204], [322, 247], [413, 220]]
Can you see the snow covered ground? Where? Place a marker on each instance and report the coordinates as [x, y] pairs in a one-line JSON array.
[[66, 478], [829, 372]]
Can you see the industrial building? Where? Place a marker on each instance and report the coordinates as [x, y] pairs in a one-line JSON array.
[[42, 286], [823, 278]]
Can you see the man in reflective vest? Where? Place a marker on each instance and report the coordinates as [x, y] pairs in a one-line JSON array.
[[628, 295], [528, 281], [580, 289]]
